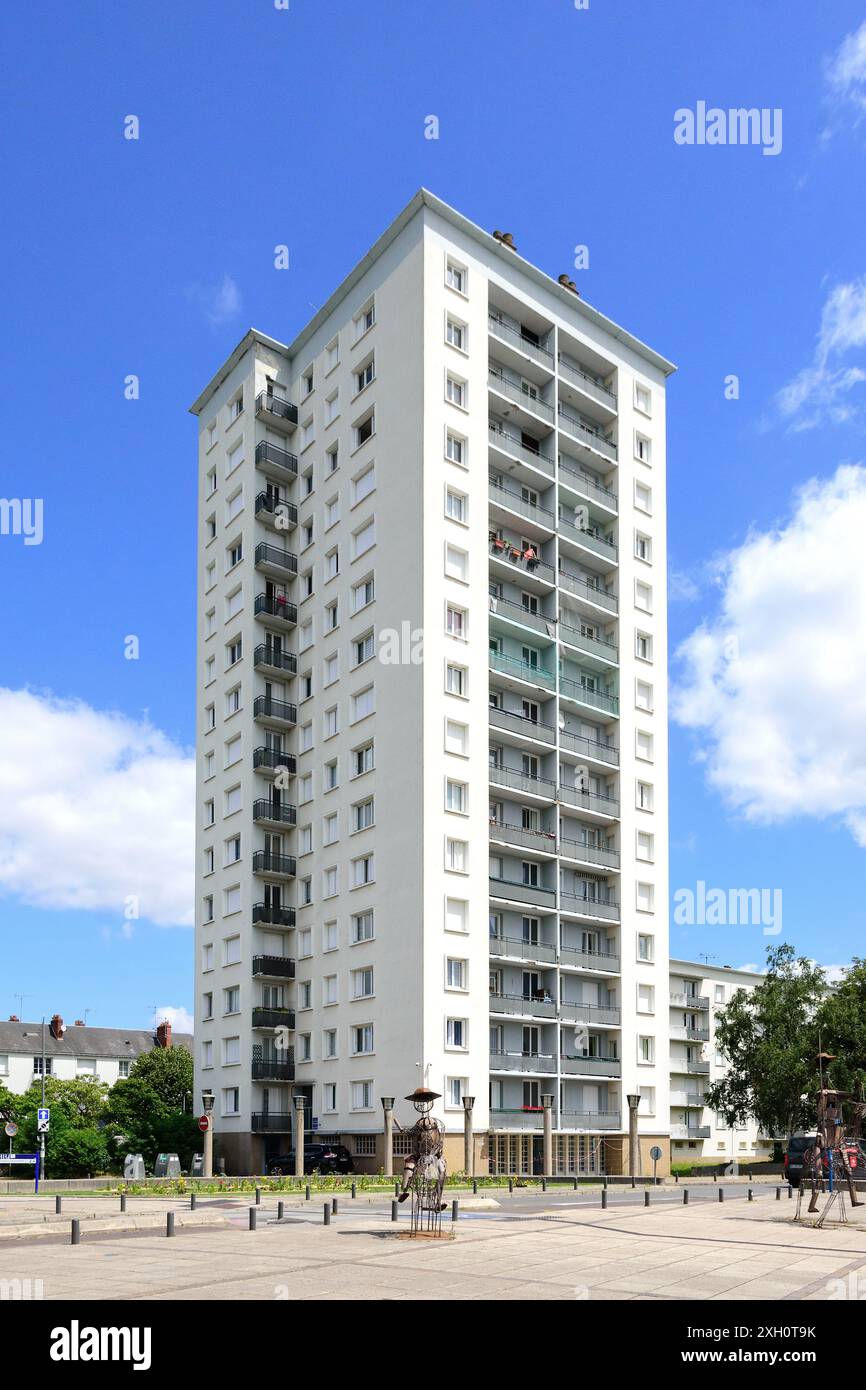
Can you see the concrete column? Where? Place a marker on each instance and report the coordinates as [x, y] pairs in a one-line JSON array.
[[633, 1164], [547, 1165], [388, 1115], [300, 1101], [207, 1158], [468, 1137]]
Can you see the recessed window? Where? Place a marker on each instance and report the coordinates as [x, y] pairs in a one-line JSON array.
[[363, 985], [365, 318], [455, 448], [363, 648], [645, 897], [456, 797], [364, 484], [455, 1032], [646, 999], [456, 680], [455, 505], [643, 498], [642, 448], [363, 703], [332, 512], [644, 746], [645, 946], [365, 539], [363, 870], [364, 430], [363, 593], [456, 737], [455, 276], [646, 1052], [643, 596], [643, 695], [362, 760], [364, 374], [642, 398], [456, 856], [455, 334], [643, 547], [455, 622], [307, 382], [645, 846], [456, 563], [455, 972], [456, 915], [643, 646], [332, 407], [332, 354], [455, 390], [644, 796], [362, 927]]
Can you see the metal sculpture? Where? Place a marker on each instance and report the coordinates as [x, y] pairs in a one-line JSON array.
[[424, 1169], [831, 1148]]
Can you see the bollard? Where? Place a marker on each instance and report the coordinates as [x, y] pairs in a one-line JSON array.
[[334, 1205], [685, 1196], [58, 1205], [252, 1218], [396, 1189], [603, 1198], [454, 1209], [605, 1180], [511, 1186], [354, 1190], [751, 1197], [326, 1213], [169, 1223], [544, 1184], [123, 1201], [676, 1177], [395, 1207], [76, 1232], [192, 1201], [646, 1197], [307, 1192], [751, 1177], [790, 1190], [474, 1187], [280, 1210], [721, 1194], [633, 1183], [715, 1177], [258, 1196], [778, 1194]]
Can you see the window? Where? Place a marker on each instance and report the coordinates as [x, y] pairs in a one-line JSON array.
[[305, 788], [456, 914], [456, 797], [643, 746], [645, 947], [456, 738], [455, 448], [330, 937], [456, 563], [233, 701], [305, 891], [308, 432], [332, 354], [643, 498], [455, 1032], [643, 547], [455, 390], [643, 695], [642, 399], [645, 846], [362, 1095], [331, 779], [362, 983], [362, 760], [234, 459], [307, 534], [362, 1039], [646, 1049], [210, 622], [234, 603], [210, 670], [362, 927], [454, 1092], [209, 813], [305, 994], [332, 407], [234, 554], [233, 750], [330, 722], [644, 796], [642, 448], [331, 829], [232, 1000], [364, 319], [231, 900], [207, 956], [364, 484], [332, 512], [455, 334], [364, 375], [231, 1100], [329, 1043], [209, 718], [330, 882], [363, 648], [363, 593], [305, 1047], [209, 766], [455, 622], [207, 905], [456, 680], [208, 868], [363, 703], [646, 999], [455, 276], [365, 429], [718, 994], [363, 815], [305, 943], [235, 504], [329, 989], [305, 737], [234, 652], [363, 870], [210, 575], [643, 596], [645, 897], [332, 458], [332, 616], [211, 527], [207, 1005], [455, 973], [231, 950], [363, 540], [329, 1095], [331, 669], [305, 633], [211, 482], [643, 646], [456, 855], [455, 505], [232, 850]]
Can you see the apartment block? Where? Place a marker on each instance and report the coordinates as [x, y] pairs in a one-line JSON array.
[[432, 724], [698, 991]]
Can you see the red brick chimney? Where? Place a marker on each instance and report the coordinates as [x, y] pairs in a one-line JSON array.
[[163, 1034], [13, 1018], [56, 1026], [79, 1023]]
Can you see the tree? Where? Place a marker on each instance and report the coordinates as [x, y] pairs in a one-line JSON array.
[[769, 1038], [842, 1030], [146, 1110], [76, 1144], [168, 1073]]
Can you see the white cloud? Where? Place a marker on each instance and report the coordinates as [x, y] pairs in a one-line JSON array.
[[95, 809], [775, 685], [817, 393], [218, 303], [845, 71], [181, 1021], [681, 587]]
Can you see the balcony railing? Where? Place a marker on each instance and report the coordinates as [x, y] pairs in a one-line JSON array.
[[522, 670], [278, 865], [284, 514], [589, 1119], [586, 382], [690, 1131], [518, 892], [269, 404], [579, 906], [514, 445], [265, 1070], [274, 660], [588, 801], [588, 487], [587, 589], [590, 1066], [688, 1100], [516, 502], [272, 455], [271, 1121], [589, 538], [681, 1000], [273, 915], [522, 1061], [680, 1067], [267, 707], [275, 558], [517, 1119], [593, 439], [274, 967], [276, 812], [517, 948], [521, 724], [585, 695], [501, 1003], [594, 646], [542, 841], [598, 1014], [589, 747], [500, 329], [273, 1018], [499, 382], [519, 613], [589, 854], [511, 554], [589, 960], [522, 781], [274, 759], [275, 606]]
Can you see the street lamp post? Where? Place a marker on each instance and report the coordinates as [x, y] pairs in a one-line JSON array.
[[468, 1137], [547, 1116], [207, 1100], [388, 1112], [42, 1135], [300, 1101], [633, 1103]]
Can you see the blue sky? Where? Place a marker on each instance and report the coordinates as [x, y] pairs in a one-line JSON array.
[[306, 127]]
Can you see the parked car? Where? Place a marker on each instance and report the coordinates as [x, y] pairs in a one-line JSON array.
[[318, 1158], [796, 1150]]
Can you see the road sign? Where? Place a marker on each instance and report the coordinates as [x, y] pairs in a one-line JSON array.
[[315, 1122], [11, 1128], [655, 1153], [203, 1123], [43, 1120]]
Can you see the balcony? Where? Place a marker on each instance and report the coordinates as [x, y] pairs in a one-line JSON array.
[[267, 812], [687, 1100], [575, 428], [522, 1005], [589, 385], [272, 459], [278, 713], [271, 1121], [583, 853], [273, 1018], [516, 447], [685, 1030], [521, 724], [511, 612], [532, 1063], [588, 539], [506, 552], [272, 915], [517, 780], [589, 960], [267, 1070], [587, 695], [517, 1119], [538, 841], [578, 906], [273, 967], [267, 658], [269, 865], [680, 1067], [517, 948], [589, 590], [270, 761], [600, 1015], [680, 1000], [588, 801], [589, 1119], [590, 1066], [690, 1131], [273, 610], [598, 647], [277, 413], [519, 341], [514, 504], [589, 748], [512, 391], [587, 487], [276, 562], [513, 891], [521, 670], [276, 512]]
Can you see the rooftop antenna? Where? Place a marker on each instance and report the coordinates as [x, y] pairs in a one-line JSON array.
[[21, 998], [706, 957]]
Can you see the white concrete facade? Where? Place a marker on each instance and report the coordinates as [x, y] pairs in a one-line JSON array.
[[459, 660]]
